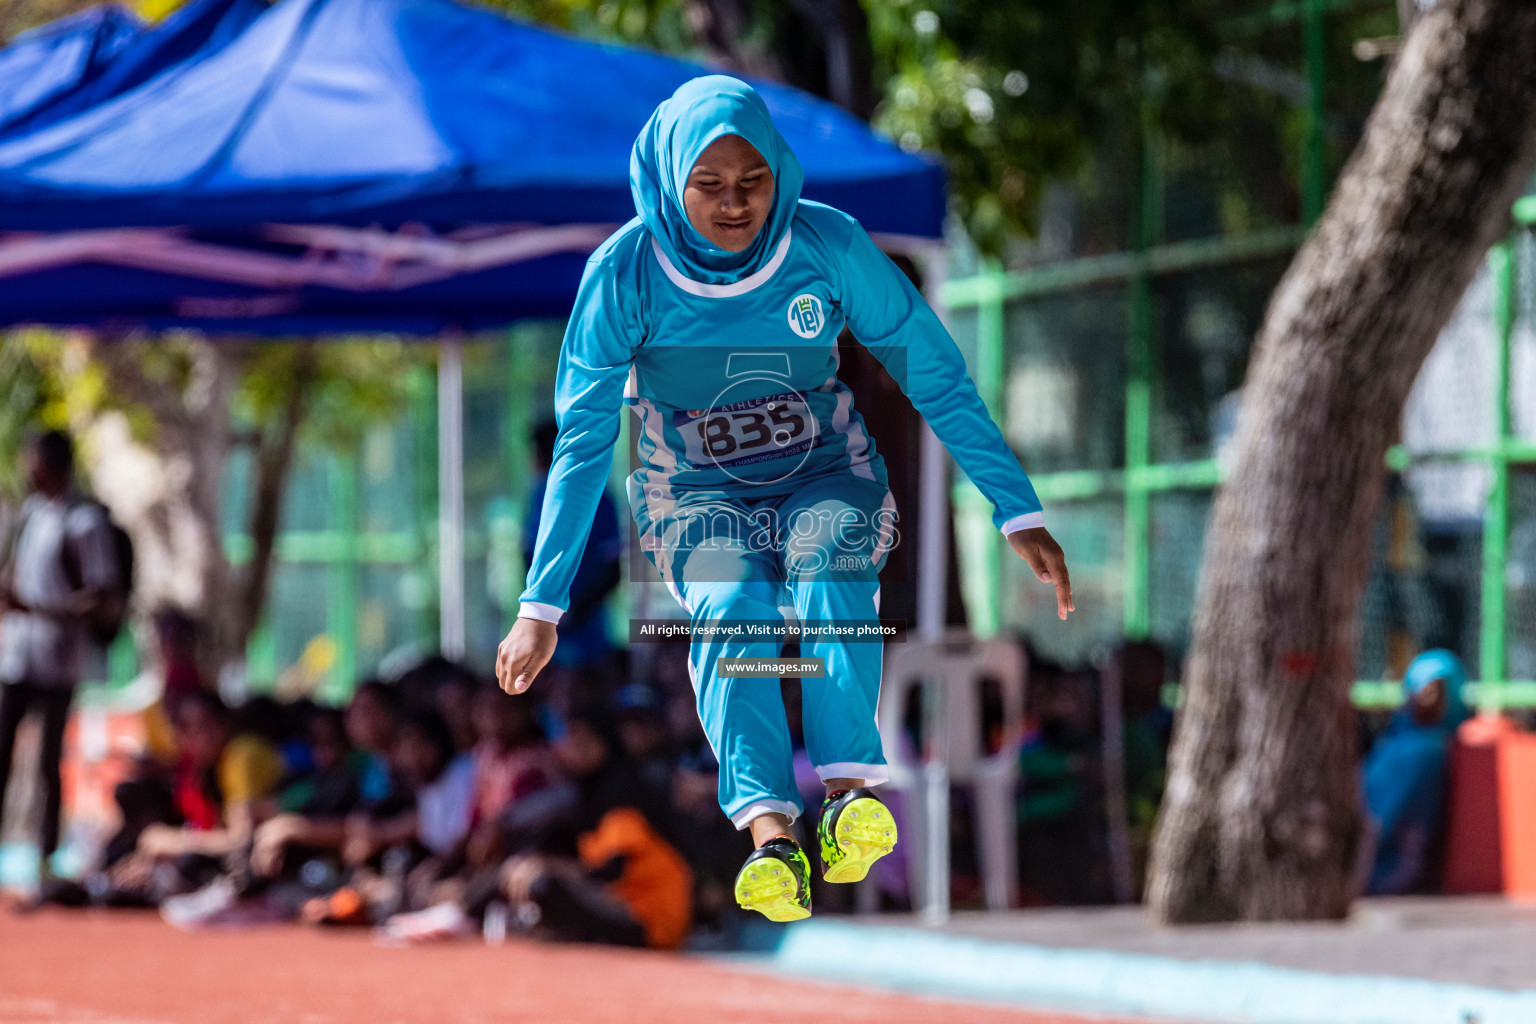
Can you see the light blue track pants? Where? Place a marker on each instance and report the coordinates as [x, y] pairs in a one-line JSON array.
[[734, 556]]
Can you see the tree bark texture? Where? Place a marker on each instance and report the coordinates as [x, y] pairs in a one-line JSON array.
[[169, 499], [274, 459], [1261, 817]]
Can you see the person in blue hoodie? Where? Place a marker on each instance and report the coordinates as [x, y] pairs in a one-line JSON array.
[[1403, 776], [714, 315]]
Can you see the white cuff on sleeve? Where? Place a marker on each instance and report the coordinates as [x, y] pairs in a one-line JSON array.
[[538, 610], [742, 818], [1027, 521]]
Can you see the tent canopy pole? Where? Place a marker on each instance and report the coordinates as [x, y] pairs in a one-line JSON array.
[[450, 494]]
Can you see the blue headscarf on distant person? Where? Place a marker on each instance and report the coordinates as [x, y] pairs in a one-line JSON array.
[[1444, 665], [682, 126]]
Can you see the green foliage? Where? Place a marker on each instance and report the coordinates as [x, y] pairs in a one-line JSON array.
[[28, 393], [17, 16], [352, 384], [1014, 96], [657, 24]]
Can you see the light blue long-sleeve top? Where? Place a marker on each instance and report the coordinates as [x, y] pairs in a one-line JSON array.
[[730, 360]]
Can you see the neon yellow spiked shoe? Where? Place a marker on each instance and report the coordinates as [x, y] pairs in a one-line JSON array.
[[776, 881], [855, 830]]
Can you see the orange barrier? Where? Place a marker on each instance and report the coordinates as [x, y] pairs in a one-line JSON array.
[[1517, 813], [1491, 831], [99, 750]]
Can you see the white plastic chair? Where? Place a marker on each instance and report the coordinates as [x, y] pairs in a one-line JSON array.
[[948, 674]]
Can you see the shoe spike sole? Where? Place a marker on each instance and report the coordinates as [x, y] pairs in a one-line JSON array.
[[769, 889], [865, 833]]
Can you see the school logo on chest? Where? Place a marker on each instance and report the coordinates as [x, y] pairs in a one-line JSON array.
[[806, 317]]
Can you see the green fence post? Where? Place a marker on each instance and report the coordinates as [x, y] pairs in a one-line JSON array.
[[261, 652], [519, 398], [341, 608], [423, 413], [1491, 647], [991, 363], [1138, 396]]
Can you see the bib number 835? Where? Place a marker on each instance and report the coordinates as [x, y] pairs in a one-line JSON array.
[[724, 434]]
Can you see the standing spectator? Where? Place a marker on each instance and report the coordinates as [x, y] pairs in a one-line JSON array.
[[60, 573], [575, 673]]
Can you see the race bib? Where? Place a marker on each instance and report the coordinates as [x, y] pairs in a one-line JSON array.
[[746, 432]]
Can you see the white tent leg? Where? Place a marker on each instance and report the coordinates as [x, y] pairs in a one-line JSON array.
[[932, 590], [932, 569], [450, 495]]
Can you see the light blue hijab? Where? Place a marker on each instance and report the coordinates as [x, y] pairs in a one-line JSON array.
[[1439, 664], [698, 113]]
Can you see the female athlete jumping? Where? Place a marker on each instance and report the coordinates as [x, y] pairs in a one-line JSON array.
[[715, 314]]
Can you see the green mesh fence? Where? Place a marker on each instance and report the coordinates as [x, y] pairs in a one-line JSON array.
[[1063, 397], [1178, 522]]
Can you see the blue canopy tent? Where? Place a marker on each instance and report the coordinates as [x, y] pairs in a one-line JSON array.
[[77, 62], [414, 123], [49, 63]]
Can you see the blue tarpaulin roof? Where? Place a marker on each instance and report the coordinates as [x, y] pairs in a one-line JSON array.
[[201, 27], [49, 63], [421, 115]]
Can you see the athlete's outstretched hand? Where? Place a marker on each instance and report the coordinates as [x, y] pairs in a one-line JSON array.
[[1040, 550], [524, 653]]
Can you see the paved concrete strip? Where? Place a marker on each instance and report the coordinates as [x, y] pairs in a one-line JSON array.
[[1101, 981]]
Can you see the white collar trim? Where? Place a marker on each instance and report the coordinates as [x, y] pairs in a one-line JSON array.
[[723, 291]]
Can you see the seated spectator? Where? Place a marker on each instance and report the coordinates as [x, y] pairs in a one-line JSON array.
[[291, 844], [1404, 774], [442, 779], [221, 779], [713, 845], [600, 870], [512, 762], [1062, 850], [146, 797], [176, 646], [371, 720], [448, 687], [625, 885], [647, 741], [329, 787], [396, 861], [455, 701]]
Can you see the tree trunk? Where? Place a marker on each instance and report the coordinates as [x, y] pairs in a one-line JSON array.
[[274, 458], [1261, 817], [821, 46], [169, 499]]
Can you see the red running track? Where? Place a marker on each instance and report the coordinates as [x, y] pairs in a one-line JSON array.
[[61, 967]]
